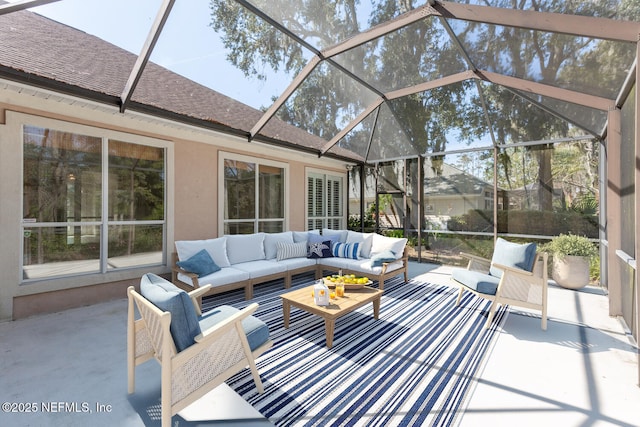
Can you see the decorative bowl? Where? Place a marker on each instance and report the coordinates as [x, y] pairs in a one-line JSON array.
[[332, 283]]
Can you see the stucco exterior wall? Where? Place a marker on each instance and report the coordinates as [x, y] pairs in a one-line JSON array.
[[196, 195]]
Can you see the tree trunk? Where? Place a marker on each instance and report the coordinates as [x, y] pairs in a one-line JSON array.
[[545, 180]]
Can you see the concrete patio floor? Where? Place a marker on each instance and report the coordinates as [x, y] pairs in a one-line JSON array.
[[582, 371]]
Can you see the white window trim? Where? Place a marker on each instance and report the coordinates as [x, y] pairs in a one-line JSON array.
[[227, 155], [19, 120], [309, 172]]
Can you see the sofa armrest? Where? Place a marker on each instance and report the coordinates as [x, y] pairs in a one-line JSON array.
[[175, 270], [404, 259]]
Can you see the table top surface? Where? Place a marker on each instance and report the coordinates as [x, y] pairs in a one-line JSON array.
[[303, 298]]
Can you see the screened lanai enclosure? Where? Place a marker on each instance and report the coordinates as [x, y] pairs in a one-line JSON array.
[[459, 121], [468, 120]]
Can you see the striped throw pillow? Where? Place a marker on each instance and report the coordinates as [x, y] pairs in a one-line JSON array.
[[286, 250], [346, 250]]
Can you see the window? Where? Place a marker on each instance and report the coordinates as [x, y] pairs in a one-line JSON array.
[[488, 200], [91, 204], [253, 195], [324, 201]]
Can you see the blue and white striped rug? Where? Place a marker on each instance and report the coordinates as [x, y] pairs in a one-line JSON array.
[[415, 365]]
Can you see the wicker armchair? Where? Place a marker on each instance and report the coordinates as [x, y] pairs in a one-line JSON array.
[[229, 341], [503, 280]]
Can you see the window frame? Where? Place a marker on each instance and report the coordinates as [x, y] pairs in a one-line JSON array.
[[258, 161], [105, 135], [325, 176]]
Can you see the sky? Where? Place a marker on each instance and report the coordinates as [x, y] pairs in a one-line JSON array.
[[187, 45]]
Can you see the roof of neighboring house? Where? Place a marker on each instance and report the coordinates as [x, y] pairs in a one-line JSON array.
[[42, 52], [452, 181]]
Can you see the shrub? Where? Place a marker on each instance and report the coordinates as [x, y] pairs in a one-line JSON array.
[[542, 223], [570, 244]]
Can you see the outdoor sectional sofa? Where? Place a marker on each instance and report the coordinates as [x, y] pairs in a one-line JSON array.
[[244, 260]]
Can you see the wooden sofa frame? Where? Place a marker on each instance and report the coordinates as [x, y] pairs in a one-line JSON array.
[[247, 285], [384, 274]]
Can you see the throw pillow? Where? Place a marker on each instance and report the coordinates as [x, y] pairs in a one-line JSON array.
[[512, 255], [217, 248], [291, 250], [201, 264], [271, 241], [382, 243], [381, 257], [365, 240], [346, 250], [319, 249]]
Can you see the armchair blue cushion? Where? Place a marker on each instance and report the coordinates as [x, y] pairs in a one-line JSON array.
[[479, 282], [512, 255], [256, 330], [185, 323], [168, 297]]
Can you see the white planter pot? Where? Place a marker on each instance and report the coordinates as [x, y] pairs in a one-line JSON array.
[[571, 272]]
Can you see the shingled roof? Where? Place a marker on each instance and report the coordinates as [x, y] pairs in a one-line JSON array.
[[42, 52], [453, 181]]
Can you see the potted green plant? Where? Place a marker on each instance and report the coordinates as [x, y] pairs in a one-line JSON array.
[[572, 256]]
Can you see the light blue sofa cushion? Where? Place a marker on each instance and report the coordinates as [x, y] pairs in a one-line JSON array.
[[168, 297], [512, 255], [256, 330], [335, 235], [201, 263], [381, 257], [480, 282]]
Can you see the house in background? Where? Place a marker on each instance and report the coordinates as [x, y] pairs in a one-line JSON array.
[[448, 192]]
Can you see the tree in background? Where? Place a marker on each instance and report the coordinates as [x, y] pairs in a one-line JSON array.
[[427, 120]]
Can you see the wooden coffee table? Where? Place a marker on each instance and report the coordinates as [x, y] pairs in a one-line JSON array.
[[353, 299]]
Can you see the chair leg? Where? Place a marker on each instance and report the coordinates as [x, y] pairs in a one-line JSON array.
[[256, 376], [131, 342], [492, 311], [544, 318], [165, 398], [459, 296]]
